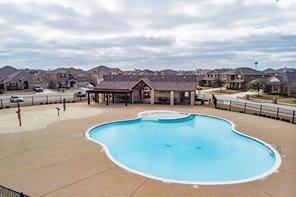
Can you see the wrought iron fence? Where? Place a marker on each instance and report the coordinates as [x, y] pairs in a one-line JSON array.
[[277, 112], [6, 192], [41, 100]]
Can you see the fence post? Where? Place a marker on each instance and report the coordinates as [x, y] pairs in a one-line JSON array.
[[1, 103], [245, 107], [293, 116], [230, 105], [64, 104], [32, 100], [74, 98], [277, 113], [260, 110], [46, 99]]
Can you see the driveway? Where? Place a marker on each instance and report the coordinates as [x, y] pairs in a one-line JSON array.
[[242, 94]]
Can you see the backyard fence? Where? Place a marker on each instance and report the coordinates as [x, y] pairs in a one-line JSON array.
[[6, 192], [41, 100]]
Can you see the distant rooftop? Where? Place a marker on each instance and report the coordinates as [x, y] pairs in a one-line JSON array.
[[244, 71]]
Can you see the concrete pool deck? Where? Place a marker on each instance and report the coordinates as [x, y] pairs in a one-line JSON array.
[[39, 117], [58, 160]]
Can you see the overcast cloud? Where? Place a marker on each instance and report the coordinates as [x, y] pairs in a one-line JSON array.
[[150, 34]]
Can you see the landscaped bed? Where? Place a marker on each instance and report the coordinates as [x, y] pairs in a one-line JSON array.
[[226, 91], [280, 99]]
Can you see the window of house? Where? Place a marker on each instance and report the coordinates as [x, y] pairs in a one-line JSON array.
[[13, 84], [275, 88]]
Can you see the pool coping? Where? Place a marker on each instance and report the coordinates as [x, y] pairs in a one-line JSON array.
[[258, 177]]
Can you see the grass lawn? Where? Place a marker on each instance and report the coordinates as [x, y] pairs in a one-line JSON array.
[[204, 87], [226, 91], [281, 99]]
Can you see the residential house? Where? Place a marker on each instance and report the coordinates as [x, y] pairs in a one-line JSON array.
[[60, 80], [239, 78], [19, 80], [22, 79], [68, 78], [274, 72], [96, 74], [282, 82], [82, 80], [202, 72], [211, 76], [40, 78], [4, 72], [165, 89]]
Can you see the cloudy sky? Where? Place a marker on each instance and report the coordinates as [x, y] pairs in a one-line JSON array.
[[150, 34]]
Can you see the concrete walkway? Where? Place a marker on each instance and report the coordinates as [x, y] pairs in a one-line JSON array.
[[59, 161]]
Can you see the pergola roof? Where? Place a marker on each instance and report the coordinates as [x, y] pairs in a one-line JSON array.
[[127, 84]]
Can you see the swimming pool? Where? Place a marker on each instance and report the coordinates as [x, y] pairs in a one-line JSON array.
[[185, 148]]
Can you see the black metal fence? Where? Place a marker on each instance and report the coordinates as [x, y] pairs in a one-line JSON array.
[[41, 100], [6, 192]]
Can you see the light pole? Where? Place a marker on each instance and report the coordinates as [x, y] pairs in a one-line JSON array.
[[256, 63]]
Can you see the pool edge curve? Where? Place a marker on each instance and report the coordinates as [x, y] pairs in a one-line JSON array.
[[258, 177]]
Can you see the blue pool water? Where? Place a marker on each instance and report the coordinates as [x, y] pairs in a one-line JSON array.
[[192, 149]]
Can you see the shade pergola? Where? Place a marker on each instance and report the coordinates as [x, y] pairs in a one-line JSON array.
[[108, 92]]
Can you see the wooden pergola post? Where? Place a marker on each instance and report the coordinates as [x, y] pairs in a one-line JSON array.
[[131, 98], [107, 103]]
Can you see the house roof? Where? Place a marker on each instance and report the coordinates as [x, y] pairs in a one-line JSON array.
[[268, 70], [40, 77], [244, 71], [177, 86], [285, 78], [7, 70], [147, 81], [19, 75], [156, 82], [219, 71], [117, 85], [71, 70], [153, 78], [280, 70]]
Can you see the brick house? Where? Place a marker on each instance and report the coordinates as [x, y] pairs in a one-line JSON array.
[[238, 78]]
